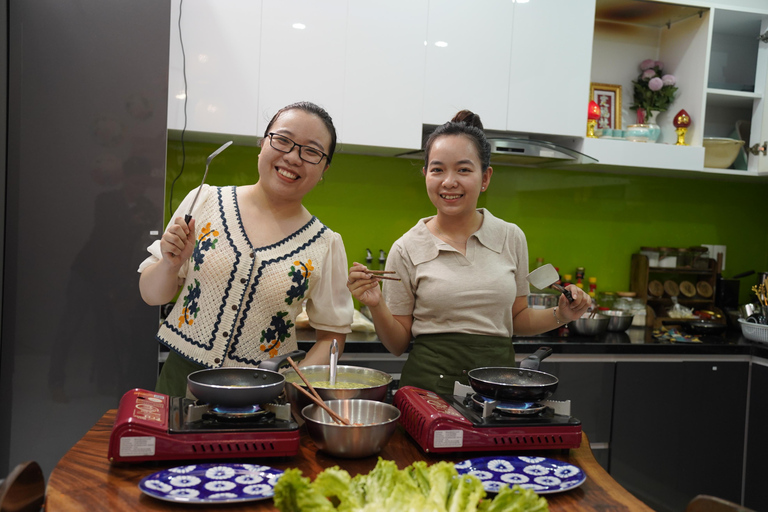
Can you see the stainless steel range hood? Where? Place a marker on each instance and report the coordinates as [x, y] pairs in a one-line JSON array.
[[522, 151]]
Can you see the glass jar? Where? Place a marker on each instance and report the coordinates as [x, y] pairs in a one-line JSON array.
[[667, 257], [684, 258], [652, 253]]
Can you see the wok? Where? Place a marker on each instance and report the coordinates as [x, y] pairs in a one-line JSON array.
[[241, 386], [524, 384]]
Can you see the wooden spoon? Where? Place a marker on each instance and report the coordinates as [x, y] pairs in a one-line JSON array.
[[319, 402]]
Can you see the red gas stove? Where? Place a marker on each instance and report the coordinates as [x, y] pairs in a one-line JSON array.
[[469, 423], [153, 426]]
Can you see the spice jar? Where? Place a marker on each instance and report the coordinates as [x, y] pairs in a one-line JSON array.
[[684, 258], [700, 258], [667, 257]]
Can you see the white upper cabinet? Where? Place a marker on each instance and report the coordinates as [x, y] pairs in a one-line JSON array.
[[720, 67], [468, 47], [221, 42], [384, 74], [550, 67], [737, 85], [302, 56]]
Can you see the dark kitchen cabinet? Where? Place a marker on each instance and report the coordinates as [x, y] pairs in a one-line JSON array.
[[755, 490], [678, 430], [589, 387]]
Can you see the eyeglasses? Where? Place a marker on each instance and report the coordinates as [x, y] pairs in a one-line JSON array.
[[286, 145]]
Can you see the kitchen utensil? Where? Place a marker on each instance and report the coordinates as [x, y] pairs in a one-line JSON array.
[[697, 326], [373, 424], [655, 288], [720, 153], [379, 274], [671, 288], [303, 378], [754, 331], [687, 288], [240, 386], [338, 419], [524, 384], [213, 155], [588, 326], [546, 276], [374, 384], [747, 310], [704, 289], [618, 321], [334, 359]]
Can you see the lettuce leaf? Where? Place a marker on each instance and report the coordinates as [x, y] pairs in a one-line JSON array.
[[417, 488]]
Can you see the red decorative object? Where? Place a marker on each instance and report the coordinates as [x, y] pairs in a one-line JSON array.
[[594, 110], [593, 114], [682, 122]]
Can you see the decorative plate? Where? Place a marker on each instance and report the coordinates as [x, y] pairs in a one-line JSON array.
[[212, 483], [543, 475]]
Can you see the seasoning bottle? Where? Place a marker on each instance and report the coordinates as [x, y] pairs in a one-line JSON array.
[[567, 279], [592, 287], [580, 277]]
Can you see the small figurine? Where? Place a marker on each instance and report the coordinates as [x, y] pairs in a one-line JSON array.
[[593, 114], [682, 122]]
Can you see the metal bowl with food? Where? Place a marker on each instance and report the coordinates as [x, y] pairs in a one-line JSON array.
[[590, 326], [371, 426], [351, 382]]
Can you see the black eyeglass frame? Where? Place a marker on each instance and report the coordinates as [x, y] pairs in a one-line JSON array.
[[300, 146]]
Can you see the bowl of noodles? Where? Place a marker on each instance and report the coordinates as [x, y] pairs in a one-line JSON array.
[[352, 382]]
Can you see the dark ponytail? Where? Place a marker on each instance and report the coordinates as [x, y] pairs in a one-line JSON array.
[[465, 123]]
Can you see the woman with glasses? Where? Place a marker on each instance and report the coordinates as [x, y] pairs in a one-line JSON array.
[[248, 259], [463, 273]]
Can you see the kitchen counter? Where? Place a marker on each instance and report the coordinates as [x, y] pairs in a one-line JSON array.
[[636, 341], [84, 479]]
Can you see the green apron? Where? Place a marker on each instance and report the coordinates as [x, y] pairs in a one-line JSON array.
[[436, 361], [173, 375]]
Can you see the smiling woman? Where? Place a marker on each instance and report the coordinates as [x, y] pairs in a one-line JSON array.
[[463, 273], [252, 241]]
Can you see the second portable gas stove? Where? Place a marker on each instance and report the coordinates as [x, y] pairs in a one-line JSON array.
[[465, 422]]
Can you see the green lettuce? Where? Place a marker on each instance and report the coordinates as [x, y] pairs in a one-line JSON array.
[[417, 488]]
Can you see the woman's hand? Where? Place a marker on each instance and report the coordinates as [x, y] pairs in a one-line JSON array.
[[178, 242], [568, 311], [364, 285]]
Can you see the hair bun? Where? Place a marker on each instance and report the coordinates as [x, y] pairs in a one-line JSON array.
[[469, 118]]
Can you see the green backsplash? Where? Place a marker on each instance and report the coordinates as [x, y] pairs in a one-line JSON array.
[[571, 218]]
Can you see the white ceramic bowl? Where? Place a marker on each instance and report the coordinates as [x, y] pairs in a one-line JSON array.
[[720, 153]]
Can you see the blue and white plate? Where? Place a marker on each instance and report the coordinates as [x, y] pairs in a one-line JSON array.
[[543, 475], [212, 483]]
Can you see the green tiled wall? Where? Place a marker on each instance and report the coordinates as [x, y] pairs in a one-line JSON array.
[[570, 218]]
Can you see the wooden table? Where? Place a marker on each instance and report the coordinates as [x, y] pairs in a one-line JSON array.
[[85, 480]]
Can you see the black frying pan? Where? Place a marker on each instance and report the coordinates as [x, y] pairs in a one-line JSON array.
[[524, 384], [240, 386], [697, 326]]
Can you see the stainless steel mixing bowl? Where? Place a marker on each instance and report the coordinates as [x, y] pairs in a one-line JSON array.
[[372, 425], [586, 326], [618, 321]]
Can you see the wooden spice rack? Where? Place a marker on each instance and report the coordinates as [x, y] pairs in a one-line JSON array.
[[642, 275]]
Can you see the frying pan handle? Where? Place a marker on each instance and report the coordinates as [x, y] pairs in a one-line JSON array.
[[277, 361], [533, 361]]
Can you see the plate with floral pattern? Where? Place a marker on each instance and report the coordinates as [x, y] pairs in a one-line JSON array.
[[543, 475], [212, 483]]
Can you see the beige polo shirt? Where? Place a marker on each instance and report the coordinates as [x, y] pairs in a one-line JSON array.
[[446, 291]]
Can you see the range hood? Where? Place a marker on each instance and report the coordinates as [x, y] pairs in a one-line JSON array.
[[521, 151]]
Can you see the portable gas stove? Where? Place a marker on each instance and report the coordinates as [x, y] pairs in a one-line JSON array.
[[465, 422], [153, 426]]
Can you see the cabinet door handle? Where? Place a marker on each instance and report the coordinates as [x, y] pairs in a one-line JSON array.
[[759, 148]]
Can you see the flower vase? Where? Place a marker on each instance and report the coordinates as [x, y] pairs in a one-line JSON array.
[[647, 117]]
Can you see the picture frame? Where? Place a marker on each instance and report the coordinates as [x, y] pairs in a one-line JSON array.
[[608, 98]]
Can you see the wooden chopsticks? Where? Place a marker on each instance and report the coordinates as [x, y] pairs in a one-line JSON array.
[[378, 274], [314, 396]]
